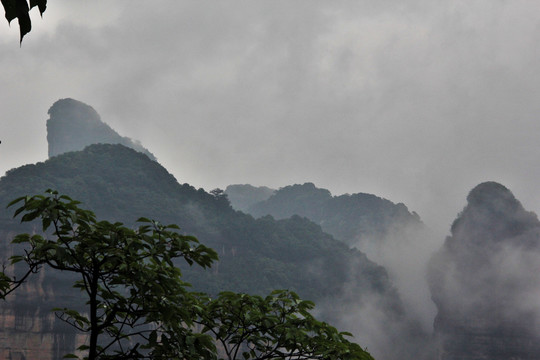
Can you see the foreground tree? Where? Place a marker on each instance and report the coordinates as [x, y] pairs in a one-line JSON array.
[[278, 326], [137, 306]]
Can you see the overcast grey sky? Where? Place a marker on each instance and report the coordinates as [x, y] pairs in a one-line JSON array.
[[416, 101]]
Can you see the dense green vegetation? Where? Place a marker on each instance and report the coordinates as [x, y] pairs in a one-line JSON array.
[[278, 326]]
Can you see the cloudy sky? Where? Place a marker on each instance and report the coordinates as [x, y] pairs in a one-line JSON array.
[[416, 101]]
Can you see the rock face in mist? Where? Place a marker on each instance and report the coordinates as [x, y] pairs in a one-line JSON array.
[[242, 197], [73, 125], [485, 280]]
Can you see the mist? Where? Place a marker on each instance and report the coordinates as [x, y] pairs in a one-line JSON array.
[[405, 252]]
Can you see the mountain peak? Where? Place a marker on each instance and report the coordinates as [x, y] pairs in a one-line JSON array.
[[72, 107], [491, 193], [493, 210]]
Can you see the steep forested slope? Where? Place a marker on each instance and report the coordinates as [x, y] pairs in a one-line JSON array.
[[121, 184], [256, 255]]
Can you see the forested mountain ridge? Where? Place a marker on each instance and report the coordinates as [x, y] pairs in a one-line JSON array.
[[256, 255], [121, 184], [350, 218]]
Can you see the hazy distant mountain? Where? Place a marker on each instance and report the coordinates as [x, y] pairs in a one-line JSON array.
[[73, 125], [244, 196], [256, 255], [350, 218], [485, 280]]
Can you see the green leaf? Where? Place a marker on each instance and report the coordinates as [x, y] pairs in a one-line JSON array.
[[21, 238], [15, 259], [46, 223], [19, 199]]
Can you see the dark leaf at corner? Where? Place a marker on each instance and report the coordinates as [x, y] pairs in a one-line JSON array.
[[10, 7]]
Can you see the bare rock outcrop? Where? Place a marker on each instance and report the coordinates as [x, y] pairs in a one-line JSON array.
[[73, 125]]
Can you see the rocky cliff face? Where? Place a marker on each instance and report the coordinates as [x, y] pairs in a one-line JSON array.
[[29, 329], [73, 125], [34, 334], [485, 280]]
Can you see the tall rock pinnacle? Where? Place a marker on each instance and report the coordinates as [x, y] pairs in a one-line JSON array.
[[73, 125], [485, 280]]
